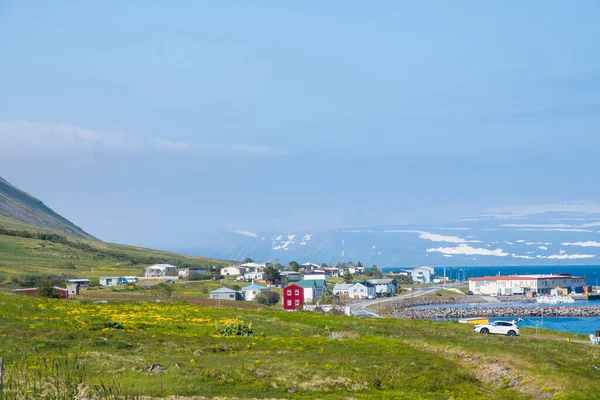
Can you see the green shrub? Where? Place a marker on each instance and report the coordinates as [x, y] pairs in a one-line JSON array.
[[267, 298]]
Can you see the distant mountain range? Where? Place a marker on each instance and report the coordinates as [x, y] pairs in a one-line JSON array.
[[19, 209], [561, 234]]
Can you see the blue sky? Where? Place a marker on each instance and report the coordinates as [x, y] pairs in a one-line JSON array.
[[148, 123]]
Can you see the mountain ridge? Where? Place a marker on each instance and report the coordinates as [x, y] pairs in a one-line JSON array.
[[18, 207]]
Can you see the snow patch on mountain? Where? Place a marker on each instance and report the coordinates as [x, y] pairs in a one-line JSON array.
[[306, 239], [281, 244], [246, 233]]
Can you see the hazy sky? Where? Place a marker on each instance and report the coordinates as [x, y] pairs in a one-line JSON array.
[[149, 122]]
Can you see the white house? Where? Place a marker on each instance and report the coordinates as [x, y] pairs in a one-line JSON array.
[[251, 291], [256, 267], [109, 281], [422, 274], [309, 266], [356, 270], [342, 289], [159, 270], [362, 290], [185, 272], [312, 289], [234, 270], [384, 287], [316, 275], [254, 276]]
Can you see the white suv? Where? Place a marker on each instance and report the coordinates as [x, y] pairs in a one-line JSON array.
[[498, 327]]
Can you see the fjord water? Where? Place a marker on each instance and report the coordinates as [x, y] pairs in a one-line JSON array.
[[591, 272]]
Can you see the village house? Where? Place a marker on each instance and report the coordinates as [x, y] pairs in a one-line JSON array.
[[184, 273], [384, 287], [233, 270], [316, 275], [160, 270], [291, 276], [250, 292], [64, 293], [226, 294], [254, 267], [254, 276], [333, 271], [109, 281], [422, 274], [293, 297], [309, 266], [362, 291], [79, 281], [356, 270], [342, 289], [313, 289]]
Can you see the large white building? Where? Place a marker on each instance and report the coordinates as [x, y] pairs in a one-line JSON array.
[[422, 274], [518, 284], [158, 270]]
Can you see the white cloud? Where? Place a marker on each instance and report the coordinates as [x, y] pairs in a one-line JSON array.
[[465, 249], [524, 257], [543, 248], [25, 139], [583, 244], [434, 237], [520, 241], [170, 144], [570, 256], [554, 230]]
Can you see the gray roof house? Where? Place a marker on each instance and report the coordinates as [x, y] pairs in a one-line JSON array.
[[226, 294]]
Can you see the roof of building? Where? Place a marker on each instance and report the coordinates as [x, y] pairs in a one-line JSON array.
[[364, 283], [432, 269], [524, 277], [78, 280], [307, 283], [342, 286], [255, 287], [223, 290], [385, 281], [160, 266]]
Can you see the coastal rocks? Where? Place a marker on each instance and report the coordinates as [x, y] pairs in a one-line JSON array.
[[492, 312]]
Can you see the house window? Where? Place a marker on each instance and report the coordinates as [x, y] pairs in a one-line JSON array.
[[289, 292], [289, 303], [297, 302], [297, 292], [231, 296]]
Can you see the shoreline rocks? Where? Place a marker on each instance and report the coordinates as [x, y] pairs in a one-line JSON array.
[[492, 312]]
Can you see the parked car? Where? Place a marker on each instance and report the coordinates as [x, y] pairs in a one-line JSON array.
[[217, 278], [169, 281], [499, 328]]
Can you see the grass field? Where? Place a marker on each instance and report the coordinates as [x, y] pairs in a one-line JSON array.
[[91, 259], [105, 351]]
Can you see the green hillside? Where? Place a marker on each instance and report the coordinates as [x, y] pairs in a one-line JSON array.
[[34, 240], [18, 207]]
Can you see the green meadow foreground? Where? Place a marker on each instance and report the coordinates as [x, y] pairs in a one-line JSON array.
[[57, 349]]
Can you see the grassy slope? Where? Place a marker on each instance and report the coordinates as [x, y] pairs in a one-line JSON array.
[[321, 356], [34, 256], [18, 207]]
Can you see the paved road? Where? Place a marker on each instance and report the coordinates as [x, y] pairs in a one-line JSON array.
[[359, 308]]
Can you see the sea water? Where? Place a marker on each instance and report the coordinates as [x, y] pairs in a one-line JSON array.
[[591, 272]]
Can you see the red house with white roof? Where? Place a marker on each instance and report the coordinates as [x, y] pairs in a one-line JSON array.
[[293, 297]]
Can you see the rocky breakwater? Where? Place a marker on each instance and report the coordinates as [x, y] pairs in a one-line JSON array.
[[513, 312]]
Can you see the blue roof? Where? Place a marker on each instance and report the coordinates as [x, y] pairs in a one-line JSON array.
[[255, 287]]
